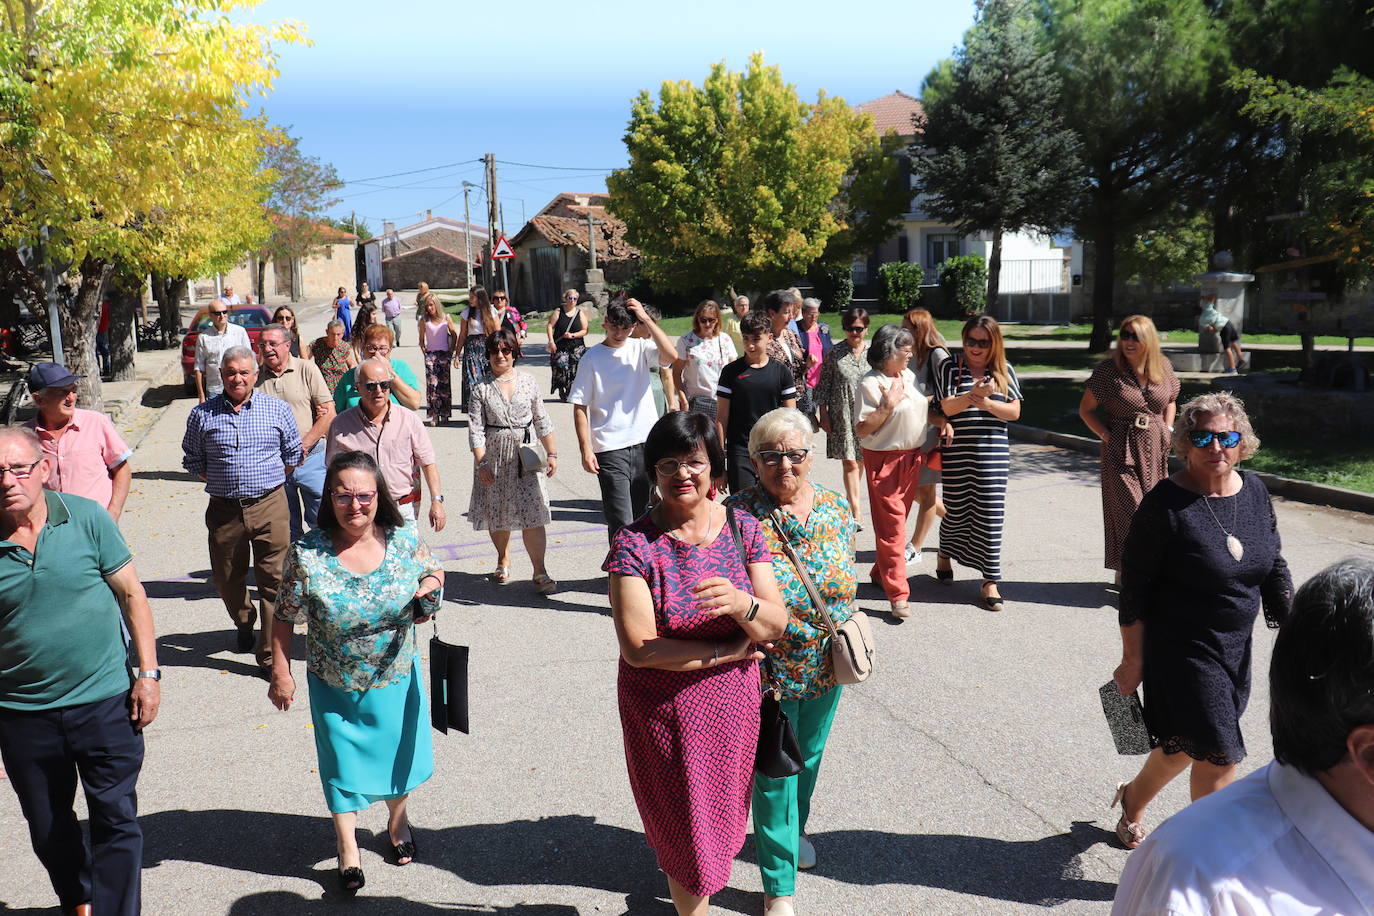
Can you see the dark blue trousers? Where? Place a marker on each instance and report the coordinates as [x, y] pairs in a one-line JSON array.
[[44, 755]]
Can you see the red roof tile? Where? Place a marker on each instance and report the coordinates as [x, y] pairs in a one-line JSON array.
[[893, 112], [572, 231]]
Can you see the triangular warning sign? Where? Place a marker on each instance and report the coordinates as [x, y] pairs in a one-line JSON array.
[[502, 251]]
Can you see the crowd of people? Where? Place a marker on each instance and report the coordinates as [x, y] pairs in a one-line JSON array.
[[728, 570]]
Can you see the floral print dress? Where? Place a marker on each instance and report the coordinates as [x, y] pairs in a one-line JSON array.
[[837, 388], [515, 501], [332, 361]]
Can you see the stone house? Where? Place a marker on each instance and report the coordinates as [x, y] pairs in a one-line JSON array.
[[551, 250], [1038, 275], [433, 250], [315, 278]]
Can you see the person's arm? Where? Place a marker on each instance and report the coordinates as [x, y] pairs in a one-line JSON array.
[[670, 390], [548, 331], [120, 479], [146, 694], [1131, 671], [722, 418], [666, 351], [408, 395], [437, 516], [324, 415], [1170, 412], [351, 358], [586, 323], [1087, 412], [584, 439], [874, 420]]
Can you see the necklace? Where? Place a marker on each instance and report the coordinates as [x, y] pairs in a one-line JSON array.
[[1233, 543]]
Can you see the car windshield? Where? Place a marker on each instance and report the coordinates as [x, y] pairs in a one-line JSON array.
[[244, 318]]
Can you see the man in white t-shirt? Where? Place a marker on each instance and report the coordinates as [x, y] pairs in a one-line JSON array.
[[230, 297], [211, 345], [1296, 836], [613, 410]]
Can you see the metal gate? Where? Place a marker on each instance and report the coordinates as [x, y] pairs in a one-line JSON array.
[[548, 276]]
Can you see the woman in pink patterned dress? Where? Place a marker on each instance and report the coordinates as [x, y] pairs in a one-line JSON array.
[[688, 613]]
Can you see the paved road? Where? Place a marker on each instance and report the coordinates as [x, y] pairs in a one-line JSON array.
[[971, 774]]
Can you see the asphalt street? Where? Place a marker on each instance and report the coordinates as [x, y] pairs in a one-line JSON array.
[[970, 774]]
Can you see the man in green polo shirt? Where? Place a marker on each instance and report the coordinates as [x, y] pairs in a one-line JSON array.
[[68, 703]]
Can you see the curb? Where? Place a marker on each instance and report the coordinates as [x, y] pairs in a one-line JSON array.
[[1303, 491]]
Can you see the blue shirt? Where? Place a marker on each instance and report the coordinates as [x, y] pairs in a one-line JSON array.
[[242, 453]]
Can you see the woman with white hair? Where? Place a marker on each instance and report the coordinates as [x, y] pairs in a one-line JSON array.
[[1202, 556]]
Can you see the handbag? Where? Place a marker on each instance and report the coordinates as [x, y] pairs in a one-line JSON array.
[[533, 458], [1126, 719], [851, 643], [448, 685]]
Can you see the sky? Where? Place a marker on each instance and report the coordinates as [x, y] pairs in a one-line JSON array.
[[407, 85]]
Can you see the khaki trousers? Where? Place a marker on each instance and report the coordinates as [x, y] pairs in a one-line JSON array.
[[263, 528]]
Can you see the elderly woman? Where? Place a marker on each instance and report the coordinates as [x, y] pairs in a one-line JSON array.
[[892, 416], [332, 354], [286, 317], [507, 411], [979, 394], [353, 582], [567, 332], [1129, 404], [692, 591], [701, 355], [1202, 556], [377, 344], [928, 354], [844, 366], [816, 342], [818, 526]]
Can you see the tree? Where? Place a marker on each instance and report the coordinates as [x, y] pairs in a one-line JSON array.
[[300, 194], [994, 154], [1174, 250], [121, 128], [1139, 81], [738, 183], [938, 82]]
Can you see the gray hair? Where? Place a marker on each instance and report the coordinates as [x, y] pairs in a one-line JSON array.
[[744, 299], [886, 342], [777, 423], [234, 354], [274, 326], [791, 296], [29, 436], [810, 303], [374, 361], [1220, 404], [334, 323]]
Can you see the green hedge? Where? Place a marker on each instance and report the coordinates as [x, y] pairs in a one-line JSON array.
[[965, 281], [900, 283], [833, 284]]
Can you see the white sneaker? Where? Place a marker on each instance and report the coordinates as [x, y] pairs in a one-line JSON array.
[[806, 853], [781, 906], [912, 555]]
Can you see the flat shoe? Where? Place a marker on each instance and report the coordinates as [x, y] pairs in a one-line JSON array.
[[806, 853], [901, 610], [545, 585], [351, 880], [779, 907], [992, 602], [944, 576], [501, 576]]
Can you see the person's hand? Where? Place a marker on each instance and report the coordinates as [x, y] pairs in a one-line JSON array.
[[825, 421], [144, 698], [741, 648], [437, 516], [551, 348], [718, 597], [281, 691], [567, 335], [895, 394], [550, 465], [589, 463], [637, 309], [427, 584], [982, 388], [1106, 436], [1128, 676], [947, 434], [485, 474], [458, 362]]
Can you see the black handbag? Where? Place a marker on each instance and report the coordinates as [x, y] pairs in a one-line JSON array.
[[448, 685], [778, 755]]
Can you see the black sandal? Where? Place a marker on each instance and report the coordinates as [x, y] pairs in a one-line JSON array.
[[404, 850], [944, 576], [351, 880], [991, 602]]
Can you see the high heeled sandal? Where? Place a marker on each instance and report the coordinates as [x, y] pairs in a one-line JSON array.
[[405, 850], [351, 880], [1129, 833]]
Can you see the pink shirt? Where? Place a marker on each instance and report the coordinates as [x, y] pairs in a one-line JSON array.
[[811, 342], [82, 458], [398, 445]]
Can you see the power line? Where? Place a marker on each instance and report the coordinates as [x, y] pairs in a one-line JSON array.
[[556, 168], [432, 168]]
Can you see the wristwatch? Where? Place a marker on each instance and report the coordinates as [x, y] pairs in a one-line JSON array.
[[439, 498], [154, 673]]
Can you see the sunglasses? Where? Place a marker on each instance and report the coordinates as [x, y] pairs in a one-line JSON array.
[[773, 458], [504, 351], [670, 466], [379, 349], [344, 500], [855, 328], [219, 311], [978, 343], [384, 385], [709, 320], [1128, 335], [1202, 439], [498, 299]]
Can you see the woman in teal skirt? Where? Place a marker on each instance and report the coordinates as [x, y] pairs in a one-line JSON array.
[[351, 581]]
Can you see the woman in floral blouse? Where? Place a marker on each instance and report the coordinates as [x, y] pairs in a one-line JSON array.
[[352, 581], [333, 354], [819, 526]]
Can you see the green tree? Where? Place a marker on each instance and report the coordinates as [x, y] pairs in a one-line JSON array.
[[1175, 250], [964, 279], [994, 154], [1140, 80], [738, 183], [301, 191], [939, 82]]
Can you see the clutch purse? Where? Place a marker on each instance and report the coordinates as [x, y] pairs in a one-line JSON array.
[[533, 458], [448, 685], [778, 755], [1126, 719]]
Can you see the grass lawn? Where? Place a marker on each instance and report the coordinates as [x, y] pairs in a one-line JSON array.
[[1052, 404]]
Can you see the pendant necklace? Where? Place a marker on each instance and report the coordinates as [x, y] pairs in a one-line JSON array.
[[1233, 543]]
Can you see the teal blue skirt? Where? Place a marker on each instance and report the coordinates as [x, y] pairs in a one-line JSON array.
[[372, 745]]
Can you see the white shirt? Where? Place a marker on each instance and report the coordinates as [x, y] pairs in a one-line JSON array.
[[703, 360], [232, 299], [613, 384], [905, 427], [1272, 844], [210, 347]]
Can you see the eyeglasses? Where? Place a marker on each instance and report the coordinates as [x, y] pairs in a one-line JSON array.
[[855, 328], [379, 349], [503, 351], [709, 320], [773, 458], [569, 298], [20, 471], [498, 299], [1128, 335], [219, 311], [344, 499], [978, 343], [1203, 438], [670, 466], [383, 385]]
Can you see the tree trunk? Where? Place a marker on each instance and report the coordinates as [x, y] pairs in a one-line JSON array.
[[124, 295], [262, 281], [19, 284], [994, 270], [78, 322]]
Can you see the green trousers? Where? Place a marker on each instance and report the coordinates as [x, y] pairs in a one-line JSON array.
[[781, 806]]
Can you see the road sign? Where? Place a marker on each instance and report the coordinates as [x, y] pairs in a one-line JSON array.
[[502, 251]]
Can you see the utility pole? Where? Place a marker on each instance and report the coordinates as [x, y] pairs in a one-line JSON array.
[[467, 227], [505, 278], [493, 210]]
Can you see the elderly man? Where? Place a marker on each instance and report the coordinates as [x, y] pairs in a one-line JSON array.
[[243, 443], [85, 454], [406, 389], [300, 384], [230, 297], [1296, 836], [69, 706], [732, 325], [391, 314], [394, 436], [211, 345]]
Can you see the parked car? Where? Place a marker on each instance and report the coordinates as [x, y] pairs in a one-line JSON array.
[[252, 318]]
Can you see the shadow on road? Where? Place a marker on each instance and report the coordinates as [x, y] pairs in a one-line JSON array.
[[274, 903], [1051, 461], [470, 589], [183, 476], [213, 650], [190, 591], [162, 395]]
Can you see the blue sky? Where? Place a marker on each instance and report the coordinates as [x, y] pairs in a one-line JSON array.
[[397, 86]]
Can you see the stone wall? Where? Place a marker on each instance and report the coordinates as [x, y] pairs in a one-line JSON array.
[[440, 269]]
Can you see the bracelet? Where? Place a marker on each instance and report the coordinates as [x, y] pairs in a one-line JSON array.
[[552, 455], [753, 610]]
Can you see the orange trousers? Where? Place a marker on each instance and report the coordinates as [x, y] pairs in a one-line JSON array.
[[892, 481]]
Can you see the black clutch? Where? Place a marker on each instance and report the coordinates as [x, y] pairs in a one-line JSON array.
[[1126, 719], [778, 755], [448, 685]]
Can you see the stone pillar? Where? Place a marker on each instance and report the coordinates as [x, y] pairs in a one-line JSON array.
[[595, 287], [1227, 286]]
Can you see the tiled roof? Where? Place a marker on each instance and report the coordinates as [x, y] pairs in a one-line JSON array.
[[573, 204], [327, 233], [570, 231], [893, 112]]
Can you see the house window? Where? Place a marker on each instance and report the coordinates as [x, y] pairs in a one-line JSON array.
[[859, 273], [329, 252], [940, 247]]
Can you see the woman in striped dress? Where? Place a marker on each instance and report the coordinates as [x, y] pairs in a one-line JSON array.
[[979, 394]]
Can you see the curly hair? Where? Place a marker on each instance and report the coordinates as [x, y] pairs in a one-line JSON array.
[[1214, 403]]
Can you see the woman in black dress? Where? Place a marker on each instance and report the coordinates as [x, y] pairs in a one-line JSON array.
[[1202, 556], [567, 330]]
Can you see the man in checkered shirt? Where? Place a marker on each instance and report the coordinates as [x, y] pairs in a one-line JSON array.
[[243, 443]]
